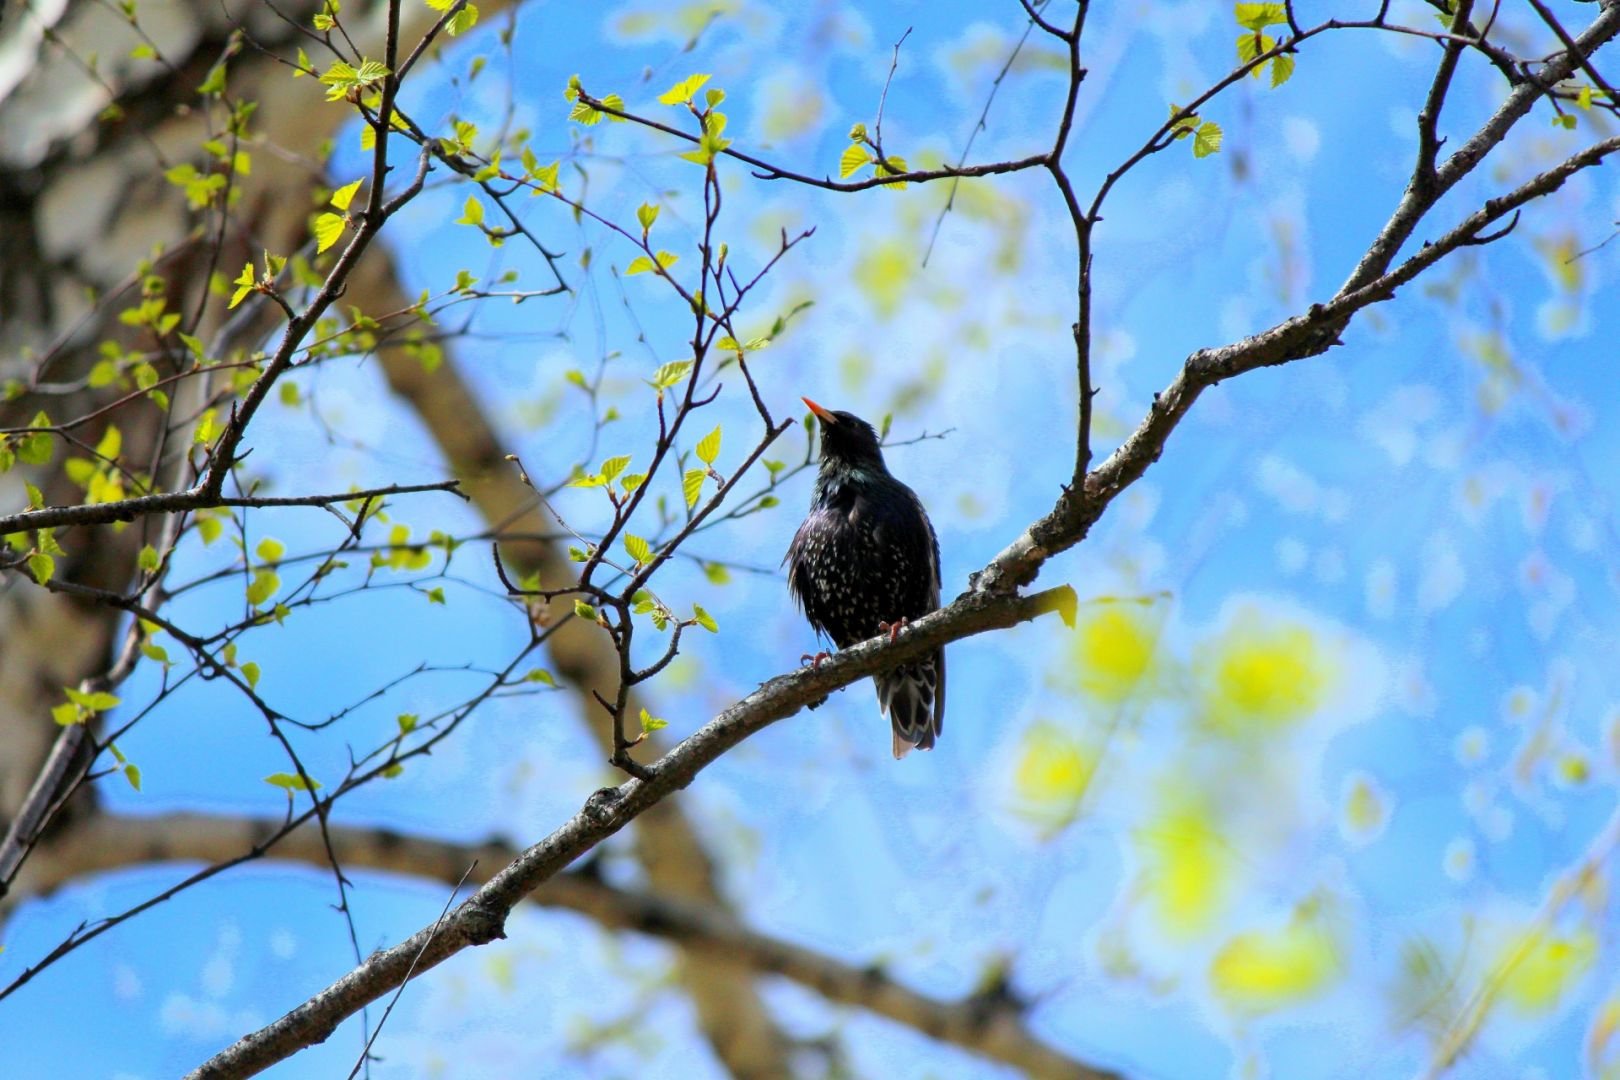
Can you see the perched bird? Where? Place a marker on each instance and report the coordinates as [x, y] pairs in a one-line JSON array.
[[865, 562]]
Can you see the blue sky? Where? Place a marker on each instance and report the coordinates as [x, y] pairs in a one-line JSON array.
[[1429, 504]]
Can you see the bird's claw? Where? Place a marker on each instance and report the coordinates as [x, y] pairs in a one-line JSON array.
[[893, 629], [813, 659]]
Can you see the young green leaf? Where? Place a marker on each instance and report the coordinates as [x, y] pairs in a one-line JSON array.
[[290, 782], [245, 283], [343, 196], [708, 448], [705, 620], [669, 374], [651, 723], [42, 566], [1259, 16], [852, 159], [681, 93], [584, 610], [647, 213], [692, 486]]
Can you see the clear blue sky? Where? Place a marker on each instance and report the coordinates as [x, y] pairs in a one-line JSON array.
[[1440, 520]]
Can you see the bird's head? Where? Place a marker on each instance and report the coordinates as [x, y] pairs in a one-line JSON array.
[[847, 440]]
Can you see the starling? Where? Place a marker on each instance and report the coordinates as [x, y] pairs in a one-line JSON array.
[[865, 562]]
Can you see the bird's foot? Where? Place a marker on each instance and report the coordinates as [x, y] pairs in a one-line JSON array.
[[893, 629], [813, 659]]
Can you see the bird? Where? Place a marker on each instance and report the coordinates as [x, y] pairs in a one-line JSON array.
[[866, 561]]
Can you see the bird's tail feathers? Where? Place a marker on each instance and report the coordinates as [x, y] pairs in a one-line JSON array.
[[912, 696]]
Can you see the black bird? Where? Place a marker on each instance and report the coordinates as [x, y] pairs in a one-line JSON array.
[[866, 562]]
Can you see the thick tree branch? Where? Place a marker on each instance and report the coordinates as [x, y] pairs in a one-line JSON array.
[[992, 1023], [482, 918]]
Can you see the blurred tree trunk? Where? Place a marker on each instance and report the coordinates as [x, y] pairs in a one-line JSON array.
[[83, 199]]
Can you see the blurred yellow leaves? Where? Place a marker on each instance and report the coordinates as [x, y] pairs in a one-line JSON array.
[[1051, 772], [1264, 674], [1536, 967], [1602, 1046], [1114, 649], [883, 271], [1187, 867], [1366, 809], [1262, 970]]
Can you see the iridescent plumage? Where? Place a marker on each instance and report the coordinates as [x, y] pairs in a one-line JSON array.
[[866, 558]]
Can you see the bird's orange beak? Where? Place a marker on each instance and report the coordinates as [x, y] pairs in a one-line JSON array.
[[825, 416]]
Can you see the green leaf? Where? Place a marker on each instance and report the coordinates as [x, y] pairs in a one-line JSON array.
[[716, 573], [681, 93], [407, 722], [36, 498], [705, 620], [98, 701], [250, 672], [42, 566], [472, 212], [647, 213], [1282, 69], [708, 448], [343, 196], [669, 374], [584, 610], [651, 723], [148, 558], [546, 177], [270, 550], [67, 714], [132, 773], [613, 466], [264, 585], [462, 21], [692, 486], [577, 553], [540, 675], [209, 528], [153, 651], [36, 447], [850, 162], [641, 264], [638, 549], [1208, 139], [245, 283], [590, 115], [290, 782], [215, 82], [328, 228], [1259, 16], [632, 481]]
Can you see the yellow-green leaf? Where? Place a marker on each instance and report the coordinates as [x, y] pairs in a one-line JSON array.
[[682, 92], [705, 620], [343, 196], [692, 486], [42, 566], [852, 159], [328, 228], [290, 782], [708, 448]]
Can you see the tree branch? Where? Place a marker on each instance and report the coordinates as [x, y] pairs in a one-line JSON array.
[[992, 1022], [481, 919]]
